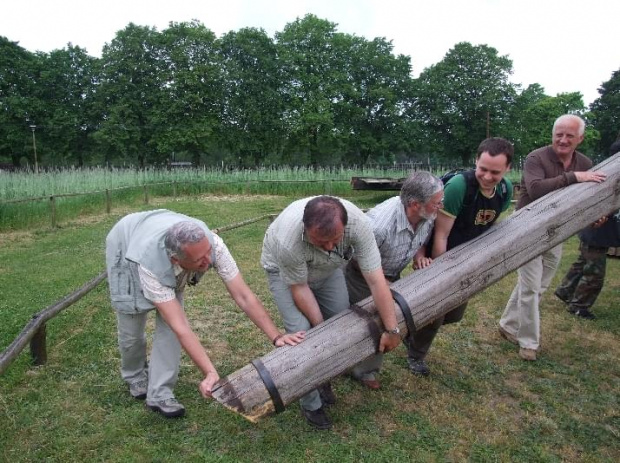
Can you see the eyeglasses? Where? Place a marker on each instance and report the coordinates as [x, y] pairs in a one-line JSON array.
[[436, 205]]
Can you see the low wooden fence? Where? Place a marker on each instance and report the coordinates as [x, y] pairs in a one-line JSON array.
[[35, 333], [147, 189]]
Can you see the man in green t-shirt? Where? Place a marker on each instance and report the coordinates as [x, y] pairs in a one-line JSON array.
[[473, 200]]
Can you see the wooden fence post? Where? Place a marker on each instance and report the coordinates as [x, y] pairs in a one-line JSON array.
[[36, 325], [146, 194], [108, 205], [38, 346], [53, 210]]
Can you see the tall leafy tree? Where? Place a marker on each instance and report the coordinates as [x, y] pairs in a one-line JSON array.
[[606, 112], [190, 79], [68, 80], [533, 115], [370, 88], [464, 98], [253, 106], [305, 50], [129, 94], [19, 105]]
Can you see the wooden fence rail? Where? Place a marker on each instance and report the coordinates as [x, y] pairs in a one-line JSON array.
[[35, 330], [147, 194]]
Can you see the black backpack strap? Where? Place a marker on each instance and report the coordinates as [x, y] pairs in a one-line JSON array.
[[471, 189], [503, 189]]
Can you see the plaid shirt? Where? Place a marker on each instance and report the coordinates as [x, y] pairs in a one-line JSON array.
[[397, 240]]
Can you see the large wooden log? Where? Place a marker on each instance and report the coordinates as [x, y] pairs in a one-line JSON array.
[[339, 343]]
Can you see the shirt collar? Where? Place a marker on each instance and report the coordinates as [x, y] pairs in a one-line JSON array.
[[402, 223]]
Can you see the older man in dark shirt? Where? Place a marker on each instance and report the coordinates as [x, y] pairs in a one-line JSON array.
[[545, 170]]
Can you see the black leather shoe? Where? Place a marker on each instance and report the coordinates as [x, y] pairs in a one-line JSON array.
[[585, 313], [317, 418], [327, 395], [418, 367], [561, 296]]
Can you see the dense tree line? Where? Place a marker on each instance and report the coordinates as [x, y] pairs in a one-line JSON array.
[[308, 96]]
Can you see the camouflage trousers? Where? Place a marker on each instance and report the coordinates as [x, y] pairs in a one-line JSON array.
[[584, 280]]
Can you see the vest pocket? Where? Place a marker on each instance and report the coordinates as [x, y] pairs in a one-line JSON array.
[[122, 288]]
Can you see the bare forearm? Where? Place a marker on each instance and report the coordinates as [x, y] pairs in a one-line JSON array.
[[306, 303], [247, 301], [440, 245], [259, 316], [385, 306], [173, 314], [193, 347], [443, 227]]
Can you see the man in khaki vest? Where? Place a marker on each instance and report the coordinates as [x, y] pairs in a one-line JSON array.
[[151, 257]]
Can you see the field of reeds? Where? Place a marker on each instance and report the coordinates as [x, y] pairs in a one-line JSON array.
[[57, 196]]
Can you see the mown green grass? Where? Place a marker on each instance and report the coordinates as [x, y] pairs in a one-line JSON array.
[[481, 403]]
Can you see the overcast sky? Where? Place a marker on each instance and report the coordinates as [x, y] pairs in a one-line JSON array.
[[565, 46]]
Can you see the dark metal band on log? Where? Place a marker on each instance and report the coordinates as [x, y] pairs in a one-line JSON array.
[[341, 342]]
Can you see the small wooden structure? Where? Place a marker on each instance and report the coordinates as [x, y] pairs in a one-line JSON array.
[[377, 183], [395, 184], [333, 347]]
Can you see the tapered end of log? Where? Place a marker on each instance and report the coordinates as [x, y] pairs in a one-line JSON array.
[[241, 388]]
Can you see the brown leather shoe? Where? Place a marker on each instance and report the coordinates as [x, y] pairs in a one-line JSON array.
[[371, 383], [508, 336]]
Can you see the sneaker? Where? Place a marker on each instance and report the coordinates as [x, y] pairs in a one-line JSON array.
[[137, 389], [418, 367], [561, 296], [170, 408], [327, 395], [317, 418], [508, 336], [585, 313], [527, 354]]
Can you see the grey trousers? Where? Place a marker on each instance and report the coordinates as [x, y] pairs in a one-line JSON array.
[[163, 367], [332, 297]]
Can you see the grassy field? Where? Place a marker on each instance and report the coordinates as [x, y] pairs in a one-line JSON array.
[[481, 402]]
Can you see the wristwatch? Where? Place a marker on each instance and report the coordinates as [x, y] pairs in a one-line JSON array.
[[394, 331]]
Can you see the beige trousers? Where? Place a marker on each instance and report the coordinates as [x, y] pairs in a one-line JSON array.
[[521, 317]]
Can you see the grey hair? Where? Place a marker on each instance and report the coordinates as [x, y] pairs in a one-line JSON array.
[[419, 186], [180, 234], [571, 117]]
